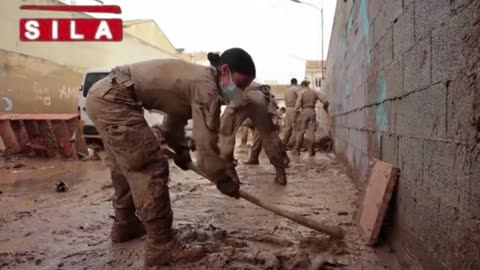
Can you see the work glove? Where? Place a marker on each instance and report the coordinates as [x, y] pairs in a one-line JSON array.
[[326, 105], [229, 184], [191, 144], [182, 158]]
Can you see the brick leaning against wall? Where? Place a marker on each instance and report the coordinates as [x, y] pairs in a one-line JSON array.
[[404, 81]]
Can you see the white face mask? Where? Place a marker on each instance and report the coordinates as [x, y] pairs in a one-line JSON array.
[[231, 90]]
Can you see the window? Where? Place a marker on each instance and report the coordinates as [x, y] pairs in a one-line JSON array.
[[91, 79], [318, 82]]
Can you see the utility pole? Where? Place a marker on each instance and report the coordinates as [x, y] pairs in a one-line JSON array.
[[322, 63], [322, 60]]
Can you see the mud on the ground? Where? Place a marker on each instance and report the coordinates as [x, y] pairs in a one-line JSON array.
[[41, 228]]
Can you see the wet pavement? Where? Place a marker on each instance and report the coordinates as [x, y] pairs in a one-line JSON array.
[[41, 228]]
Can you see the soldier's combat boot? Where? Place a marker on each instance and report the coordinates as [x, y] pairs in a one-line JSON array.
[[280, 177], [125, 227], [162, 248]]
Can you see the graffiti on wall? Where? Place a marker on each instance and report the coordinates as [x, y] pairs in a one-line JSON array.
[[7, 104], [380, 115], [46, 100], [350, 23], [365, 26], [42, 95], [68, 92]]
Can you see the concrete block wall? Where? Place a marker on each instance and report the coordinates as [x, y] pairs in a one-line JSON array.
[[403, 78]]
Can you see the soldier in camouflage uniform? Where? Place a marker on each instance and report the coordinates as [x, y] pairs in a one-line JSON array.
[[139, 168]]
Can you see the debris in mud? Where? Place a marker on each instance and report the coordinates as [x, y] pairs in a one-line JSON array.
[[93, 244], [195, 188], [273, 240], [106, 186], [324, 260], [319, 262], [266, 259], [61, 187], [22, 214], [12, 259], [20, 171], [324, 144], [342, 213], [95, 147], [323, 244], [295, 258], [92, 155], [345, 224], [62, 232], [235, 250], [18, 165]]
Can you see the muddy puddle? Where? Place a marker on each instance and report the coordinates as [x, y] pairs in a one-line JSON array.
[[41, 228]]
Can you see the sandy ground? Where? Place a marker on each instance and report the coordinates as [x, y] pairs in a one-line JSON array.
[[41, 228]]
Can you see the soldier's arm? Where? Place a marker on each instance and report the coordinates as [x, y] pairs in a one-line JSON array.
[[321, 97], [323, 100], [274, 113], [298, 103], [258, 110], [174, 133], [206, 105], [233, 117]]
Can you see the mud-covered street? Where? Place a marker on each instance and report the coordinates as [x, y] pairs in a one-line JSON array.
[[368, 111], [41, 228]]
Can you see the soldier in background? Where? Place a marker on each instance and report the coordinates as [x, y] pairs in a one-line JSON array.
[[281, 118], [256, 136], [307, 118], [257, 105], [291, 96], [245, 128]]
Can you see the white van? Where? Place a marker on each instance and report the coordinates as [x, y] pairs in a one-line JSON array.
[[90, 77]]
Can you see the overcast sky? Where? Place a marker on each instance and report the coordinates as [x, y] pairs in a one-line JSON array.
[[279, 34]]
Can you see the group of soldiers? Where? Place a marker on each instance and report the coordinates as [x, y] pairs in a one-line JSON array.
[[296, 124], [139, 166]]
